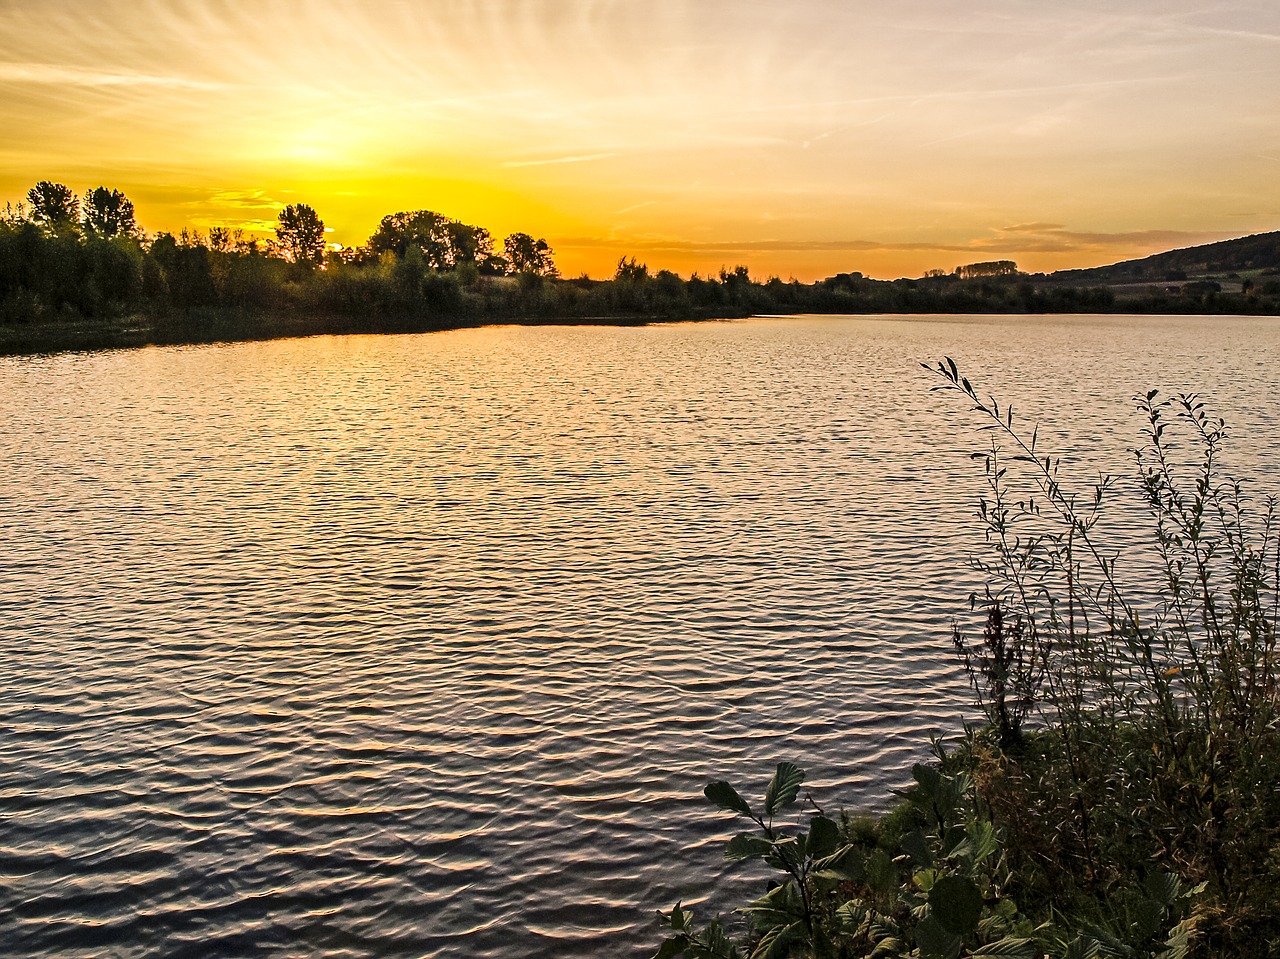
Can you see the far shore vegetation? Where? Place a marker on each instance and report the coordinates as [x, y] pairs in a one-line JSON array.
[[77, 272]]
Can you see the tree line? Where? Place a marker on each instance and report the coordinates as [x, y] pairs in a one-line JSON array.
[[66, 258]]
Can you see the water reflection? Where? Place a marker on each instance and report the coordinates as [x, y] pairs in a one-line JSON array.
[[425, 645]]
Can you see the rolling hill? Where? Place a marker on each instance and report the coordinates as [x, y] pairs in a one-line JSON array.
[[1257, 254]]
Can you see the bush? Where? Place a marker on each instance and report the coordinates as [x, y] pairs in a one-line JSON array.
[[1121, 800]]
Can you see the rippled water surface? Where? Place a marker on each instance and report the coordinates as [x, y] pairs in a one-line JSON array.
[[425, 645]]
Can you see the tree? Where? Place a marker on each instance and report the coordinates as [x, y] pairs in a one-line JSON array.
[[972, 271], [467, 244], [300, 235], [526, 255], [184, 262], [424, 229], [631, 271], [53, 205], [108, 213]]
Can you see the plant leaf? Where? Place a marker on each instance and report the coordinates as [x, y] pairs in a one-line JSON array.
[[1009, 948], [747, 845], [675, 946], [824, 837], [936, 941], [916, 846], [956, 903], [783, 787], [726, 797]]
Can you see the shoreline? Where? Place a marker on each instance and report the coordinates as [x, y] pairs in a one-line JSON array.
[[76, 334], [79, 334]]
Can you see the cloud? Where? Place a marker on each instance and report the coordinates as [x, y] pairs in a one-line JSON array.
[[232, 223], [49, 74], [1025, 238], [678, 245], [584, 158], [1032, 227], [249, 200], [1056, 238]]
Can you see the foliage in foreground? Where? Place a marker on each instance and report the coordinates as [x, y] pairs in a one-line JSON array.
[[1121, 800]]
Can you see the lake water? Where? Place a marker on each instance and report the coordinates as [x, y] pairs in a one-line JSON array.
[[426, 645]]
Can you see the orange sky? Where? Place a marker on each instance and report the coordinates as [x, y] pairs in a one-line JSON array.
[[801, 139]]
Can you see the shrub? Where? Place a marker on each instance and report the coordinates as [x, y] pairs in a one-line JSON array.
[[1121, 800]]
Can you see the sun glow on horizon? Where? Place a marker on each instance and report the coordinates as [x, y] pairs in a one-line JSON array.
[[803, 140]]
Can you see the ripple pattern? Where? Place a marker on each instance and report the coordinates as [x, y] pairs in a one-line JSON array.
[[426, 645]]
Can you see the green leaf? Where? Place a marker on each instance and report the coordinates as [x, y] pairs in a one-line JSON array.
[[886, 948], [915, 845], [1083, 947], [1178, 945], [823, 947], [846, 858], [824, 837], [851, 916], [929, 779], [776, 943], [1008, 949], [881, 874], [956, 903], [678, 919], [1148, 917], [726, 797], [936, 941], [982, 835], [787, 850], [714, 944], [675, 946], [979, 843], [828, 879], [747, 845], [1163, 887], [849, 862], [783, 787], [779, 906], [925, 878]]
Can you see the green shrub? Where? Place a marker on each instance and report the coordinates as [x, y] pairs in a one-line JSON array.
[[1121, 800]]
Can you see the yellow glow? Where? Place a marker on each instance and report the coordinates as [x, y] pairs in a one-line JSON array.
[[800, 139]]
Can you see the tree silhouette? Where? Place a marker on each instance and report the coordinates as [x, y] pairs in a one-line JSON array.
[[467, 244], [972, 271], [53, 205], [631, 271], [424, 229], [300, 235], [108, 213], [527, 255]]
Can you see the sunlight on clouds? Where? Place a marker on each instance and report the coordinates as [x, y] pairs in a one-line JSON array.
[[774, 129]]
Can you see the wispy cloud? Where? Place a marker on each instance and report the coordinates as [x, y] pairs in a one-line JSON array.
[[1022, 238], [581, 158], [1056, 238], [248, 225], [50, 74], [249, 200]]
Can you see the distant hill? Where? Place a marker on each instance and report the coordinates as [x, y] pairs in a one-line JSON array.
[[1252, 254]]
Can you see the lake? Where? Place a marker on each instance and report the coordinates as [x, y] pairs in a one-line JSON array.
[[426, 645]]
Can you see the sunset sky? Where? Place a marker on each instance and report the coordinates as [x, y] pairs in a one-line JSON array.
[[801, 139]]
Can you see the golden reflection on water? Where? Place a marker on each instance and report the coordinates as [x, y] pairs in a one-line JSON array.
[[387, 635]]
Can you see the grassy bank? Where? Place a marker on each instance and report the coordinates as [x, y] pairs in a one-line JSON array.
[[1120, 799]]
